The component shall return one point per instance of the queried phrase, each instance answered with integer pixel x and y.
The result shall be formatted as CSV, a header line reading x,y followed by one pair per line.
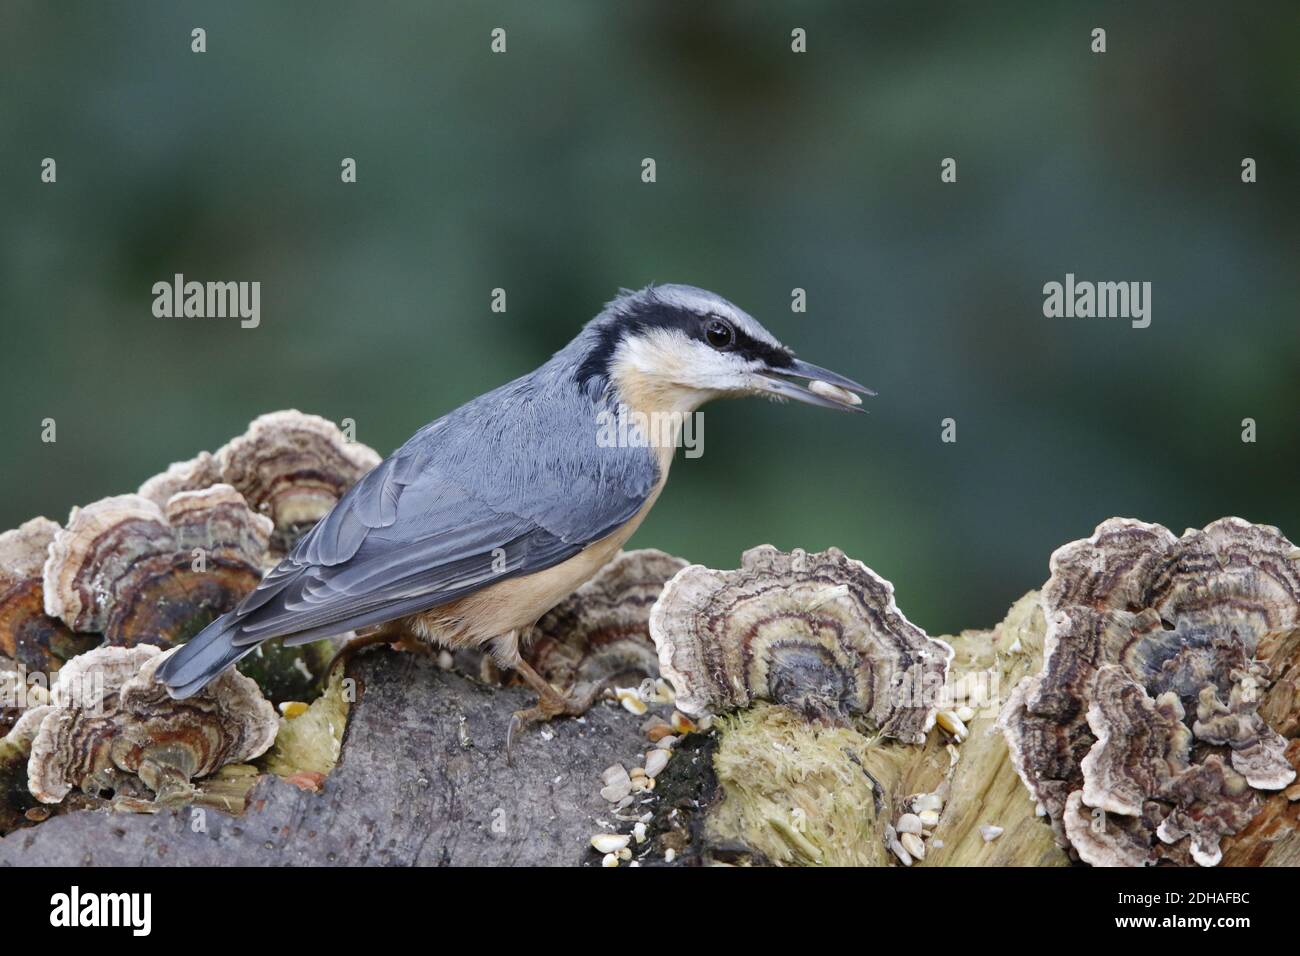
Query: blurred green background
x,y
775,170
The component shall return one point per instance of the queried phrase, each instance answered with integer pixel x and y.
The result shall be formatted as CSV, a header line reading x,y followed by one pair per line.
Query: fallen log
x,y
422,780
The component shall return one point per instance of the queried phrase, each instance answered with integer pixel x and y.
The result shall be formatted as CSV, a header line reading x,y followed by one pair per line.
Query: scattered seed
x,y
638,832
904,857
937,844
965,713
609,842
664,692
618,785
950,722
913,844
990,832
609,860
908,823
292,708
614,774
659,732
669,855
625,853
655,761
927,801
682,724
615,792
630,701
929,818
666,742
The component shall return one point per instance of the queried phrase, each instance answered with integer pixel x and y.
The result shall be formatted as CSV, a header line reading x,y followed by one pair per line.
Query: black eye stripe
x,y
753,348
654,314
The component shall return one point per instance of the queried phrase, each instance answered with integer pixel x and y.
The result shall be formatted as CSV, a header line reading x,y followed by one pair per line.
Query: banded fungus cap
x,y
293,468
110,717
72,746
601,633
136,572
194,475
28,636
289,466
1142,727
819,633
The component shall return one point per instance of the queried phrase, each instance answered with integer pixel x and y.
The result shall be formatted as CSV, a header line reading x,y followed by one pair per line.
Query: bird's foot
x,y
541,712
550,704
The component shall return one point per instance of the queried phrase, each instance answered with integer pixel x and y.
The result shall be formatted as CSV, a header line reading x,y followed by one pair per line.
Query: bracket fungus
x,y
196,474
293,467
601,632
133,571
819,633
1143,727
289,466
29,637
110,719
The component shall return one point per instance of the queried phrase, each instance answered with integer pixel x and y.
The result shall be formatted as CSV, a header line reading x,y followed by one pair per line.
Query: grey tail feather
x,y
198,662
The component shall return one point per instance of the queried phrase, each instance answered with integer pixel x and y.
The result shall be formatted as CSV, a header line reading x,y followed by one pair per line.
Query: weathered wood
x,y
422,780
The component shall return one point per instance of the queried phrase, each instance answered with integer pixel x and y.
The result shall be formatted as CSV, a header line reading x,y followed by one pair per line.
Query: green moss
x,y
311,742
800,793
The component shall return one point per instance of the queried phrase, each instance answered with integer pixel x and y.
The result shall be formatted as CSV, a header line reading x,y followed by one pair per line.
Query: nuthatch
x,y
491,515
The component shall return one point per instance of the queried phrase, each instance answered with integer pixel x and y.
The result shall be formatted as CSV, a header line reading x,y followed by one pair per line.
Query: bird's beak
x,y
776,382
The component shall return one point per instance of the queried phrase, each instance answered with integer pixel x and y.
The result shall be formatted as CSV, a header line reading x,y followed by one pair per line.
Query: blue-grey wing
x,y
454,510
512,483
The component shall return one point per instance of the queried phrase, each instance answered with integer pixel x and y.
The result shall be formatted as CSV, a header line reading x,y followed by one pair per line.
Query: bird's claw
x,y
547,708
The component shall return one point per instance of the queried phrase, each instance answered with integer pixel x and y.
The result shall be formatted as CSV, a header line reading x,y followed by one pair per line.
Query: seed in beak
x,y
833,392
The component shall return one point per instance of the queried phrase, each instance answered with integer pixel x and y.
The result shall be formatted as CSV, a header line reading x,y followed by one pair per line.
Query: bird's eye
x,y
719,333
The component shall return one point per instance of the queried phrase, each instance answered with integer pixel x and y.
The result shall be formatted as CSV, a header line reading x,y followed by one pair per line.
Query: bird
x,y
489,516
